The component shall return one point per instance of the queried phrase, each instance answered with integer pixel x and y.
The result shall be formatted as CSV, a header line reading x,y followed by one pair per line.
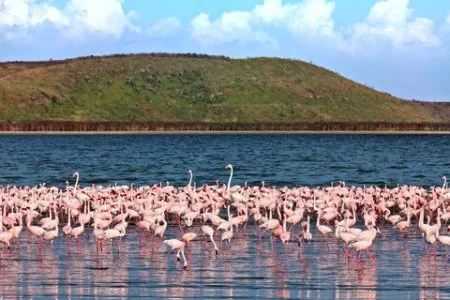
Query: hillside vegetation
x,y
195,89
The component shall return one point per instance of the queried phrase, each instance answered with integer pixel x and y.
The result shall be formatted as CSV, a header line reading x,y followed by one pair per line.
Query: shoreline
x,y
55,127
241,132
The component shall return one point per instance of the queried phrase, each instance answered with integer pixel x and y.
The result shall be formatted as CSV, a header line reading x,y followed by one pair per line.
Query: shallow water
x,y
144,269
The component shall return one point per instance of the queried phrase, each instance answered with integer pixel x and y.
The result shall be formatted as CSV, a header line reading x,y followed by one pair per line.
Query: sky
x,y
398,46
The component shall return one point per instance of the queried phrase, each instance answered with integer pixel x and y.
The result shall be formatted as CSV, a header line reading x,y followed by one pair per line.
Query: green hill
x,y
193,88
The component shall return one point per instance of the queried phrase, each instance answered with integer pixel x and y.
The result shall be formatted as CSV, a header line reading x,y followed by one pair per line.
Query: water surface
x,y
281,159
143,269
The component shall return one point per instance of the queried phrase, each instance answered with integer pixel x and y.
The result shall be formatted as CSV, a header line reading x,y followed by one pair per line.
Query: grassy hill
x,y
192,88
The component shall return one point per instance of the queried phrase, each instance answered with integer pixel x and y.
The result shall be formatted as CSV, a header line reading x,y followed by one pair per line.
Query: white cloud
x,y
310,17
230,27
164,27
77,19
28,13
391,20
100,16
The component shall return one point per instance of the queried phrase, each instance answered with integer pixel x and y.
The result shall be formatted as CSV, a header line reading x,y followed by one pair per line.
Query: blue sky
x,y
398,46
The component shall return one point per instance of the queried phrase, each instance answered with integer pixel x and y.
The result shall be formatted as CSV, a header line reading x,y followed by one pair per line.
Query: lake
x,y
249,268
280,159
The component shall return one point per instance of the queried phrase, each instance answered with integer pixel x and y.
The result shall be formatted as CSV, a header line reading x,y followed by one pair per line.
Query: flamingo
x,y
227,236
443,239
345,237
188,237
175,244
404,225
306,233
324,230
77,231
79,195
6,237
235,197
285,235
68,228
209,231
362,246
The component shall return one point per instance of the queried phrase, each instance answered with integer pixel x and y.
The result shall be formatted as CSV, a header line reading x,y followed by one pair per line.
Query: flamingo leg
x,y
371,256
421,246
168,254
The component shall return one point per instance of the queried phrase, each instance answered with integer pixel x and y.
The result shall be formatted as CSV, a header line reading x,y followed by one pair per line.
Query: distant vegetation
x,y
162,88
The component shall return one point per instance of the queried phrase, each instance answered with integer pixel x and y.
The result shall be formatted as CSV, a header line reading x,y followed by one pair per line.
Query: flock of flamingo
x,y
278,211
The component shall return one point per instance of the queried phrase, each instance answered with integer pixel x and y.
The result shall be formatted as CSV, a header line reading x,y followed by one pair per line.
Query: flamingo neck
x,y
76,184
438,226
190,179
214,243
229,179
184,257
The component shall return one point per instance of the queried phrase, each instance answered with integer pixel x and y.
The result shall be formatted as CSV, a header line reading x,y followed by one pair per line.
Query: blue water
x,y
280,160
143,269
